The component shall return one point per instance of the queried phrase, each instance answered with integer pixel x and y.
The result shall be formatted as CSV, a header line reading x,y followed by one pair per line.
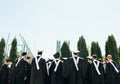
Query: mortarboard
x,y
89,57
94,56
76,51
57,55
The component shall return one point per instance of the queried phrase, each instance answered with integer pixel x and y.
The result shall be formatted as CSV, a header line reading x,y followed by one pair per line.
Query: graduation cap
x,y
76,52
94,56
89,57
100,60
57,55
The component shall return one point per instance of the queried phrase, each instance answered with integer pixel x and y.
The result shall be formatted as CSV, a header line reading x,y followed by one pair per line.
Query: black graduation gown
x,y
5,71
95,78
71,75
0,76
112,77
88,73
28,74
39,76
19,72
56,77
49,63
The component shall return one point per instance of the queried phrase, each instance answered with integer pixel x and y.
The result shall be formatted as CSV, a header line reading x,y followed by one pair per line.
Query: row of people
x,y
74,70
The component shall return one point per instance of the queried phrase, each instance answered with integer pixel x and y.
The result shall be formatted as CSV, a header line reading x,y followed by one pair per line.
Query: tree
x,y
95,49
65,51
111,48
13,50
81,46
2,50
119,54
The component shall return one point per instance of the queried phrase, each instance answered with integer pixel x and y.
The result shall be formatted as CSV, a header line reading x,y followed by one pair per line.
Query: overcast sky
x,y
42,22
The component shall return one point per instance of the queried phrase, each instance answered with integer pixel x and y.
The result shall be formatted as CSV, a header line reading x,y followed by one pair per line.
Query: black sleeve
x,y
3,70
51,69
102,70
44,70
66,69
0,76
26,69
84,71
108,74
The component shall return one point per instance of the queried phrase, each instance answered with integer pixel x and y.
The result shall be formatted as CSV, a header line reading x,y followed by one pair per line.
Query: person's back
x,y
96,72
96,78
19,73
5,72
112,71
38,70
56,70
29,70
75,70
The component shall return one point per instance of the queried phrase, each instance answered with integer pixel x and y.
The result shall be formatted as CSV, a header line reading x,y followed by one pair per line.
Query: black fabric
x,y
28,74
94,77
39,76
19,72
5,71
71,75
56,77
112,77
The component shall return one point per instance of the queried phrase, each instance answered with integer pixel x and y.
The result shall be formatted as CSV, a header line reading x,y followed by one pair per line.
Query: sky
x,y
42,22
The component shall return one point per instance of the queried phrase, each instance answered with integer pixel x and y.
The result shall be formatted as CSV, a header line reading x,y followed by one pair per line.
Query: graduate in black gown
x,y
49,63
89,60
112,71
5,72
20,68
75,70
96,71
29,70
56,70
39,70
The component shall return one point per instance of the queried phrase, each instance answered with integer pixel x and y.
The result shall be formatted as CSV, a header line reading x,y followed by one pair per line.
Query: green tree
x,y
2,50
95,49
13,50
119,54
111,48
65,50
81,46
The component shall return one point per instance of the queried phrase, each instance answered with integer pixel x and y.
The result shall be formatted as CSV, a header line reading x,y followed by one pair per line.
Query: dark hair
x,y
40,53
8,60
56,55
75,53
28,57
24,53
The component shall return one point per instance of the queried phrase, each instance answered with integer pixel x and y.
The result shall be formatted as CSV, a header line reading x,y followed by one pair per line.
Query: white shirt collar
x,y
40,55
94,60
75,55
